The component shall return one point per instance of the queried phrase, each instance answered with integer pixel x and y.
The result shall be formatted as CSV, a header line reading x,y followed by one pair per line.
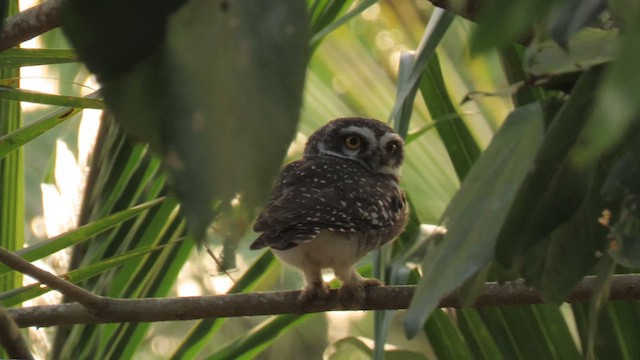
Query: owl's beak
x,y
374,162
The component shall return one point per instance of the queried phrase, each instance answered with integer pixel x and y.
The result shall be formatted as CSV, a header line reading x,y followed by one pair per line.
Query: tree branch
x,y
30,23
624,287
92,302
11,339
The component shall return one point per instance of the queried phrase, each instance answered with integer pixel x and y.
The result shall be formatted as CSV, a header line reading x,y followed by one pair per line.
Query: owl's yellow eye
x,y
353,142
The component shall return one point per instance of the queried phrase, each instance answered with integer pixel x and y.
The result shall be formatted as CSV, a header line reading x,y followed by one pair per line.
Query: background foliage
x,y
521,131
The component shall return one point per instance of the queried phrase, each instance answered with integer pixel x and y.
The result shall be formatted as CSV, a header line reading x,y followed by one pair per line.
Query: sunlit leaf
x,y
15,139
201,333
436,28
73,237
11,93
31,57
261,336
327,24
12,186
20,295
461,146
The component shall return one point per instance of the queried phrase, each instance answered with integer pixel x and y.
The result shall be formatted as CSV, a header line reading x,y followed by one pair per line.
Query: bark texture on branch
x,y
10,338
624,287
68,289
30,23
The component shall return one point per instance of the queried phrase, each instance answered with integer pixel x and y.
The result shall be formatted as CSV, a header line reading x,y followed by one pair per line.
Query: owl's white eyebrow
x,y
390,136
323,150
366,133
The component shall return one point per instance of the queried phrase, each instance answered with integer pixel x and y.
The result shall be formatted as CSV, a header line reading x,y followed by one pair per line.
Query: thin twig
x,y
92,302
30,23
220,267
11,339
624,287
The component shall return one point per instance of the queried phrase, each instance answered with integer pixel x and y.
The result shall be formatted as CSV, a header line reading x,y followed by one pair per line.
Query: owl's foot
x,y
353,294
317,291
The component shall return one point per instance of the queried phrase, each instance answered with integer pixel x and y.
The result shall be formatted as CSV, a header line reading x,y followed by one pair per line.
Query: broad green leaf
x,y
554,189
220,65
503,21
101,32
468,292
477,211
268,57
12,93
572,249
587,48
573,16
17,57
617,105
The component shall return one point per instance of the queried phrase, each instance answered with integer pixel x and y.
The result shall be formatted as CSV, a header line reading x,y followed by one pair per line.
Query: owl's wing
x,y
311,197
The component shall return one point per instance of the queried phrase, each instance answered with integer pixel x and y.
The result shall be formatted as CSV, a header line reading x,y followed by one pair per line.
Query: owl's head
x,y
369,142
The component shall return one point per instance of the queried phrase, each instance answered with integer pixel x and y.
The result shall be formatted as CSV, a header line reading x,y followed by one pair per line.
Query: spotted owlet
x,y
338,203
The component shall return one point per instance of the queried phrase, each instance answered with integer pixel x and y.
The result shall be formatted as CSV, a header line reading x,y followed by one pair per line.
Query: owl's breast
x,y
331,249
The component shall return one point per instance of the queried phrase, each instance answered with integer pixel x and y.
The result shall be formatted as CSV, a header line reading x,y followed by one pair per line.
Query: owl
x,y
341,201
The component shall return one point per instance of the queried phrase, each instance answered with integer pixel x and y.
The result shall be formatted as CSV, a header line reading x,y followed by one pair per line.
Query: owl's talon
x,y
314,292
353,295
372,282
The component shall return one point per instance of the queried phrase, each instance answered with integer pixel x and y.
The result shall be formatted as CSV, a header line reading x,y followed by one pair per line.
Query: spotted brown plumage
x,y
339,202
